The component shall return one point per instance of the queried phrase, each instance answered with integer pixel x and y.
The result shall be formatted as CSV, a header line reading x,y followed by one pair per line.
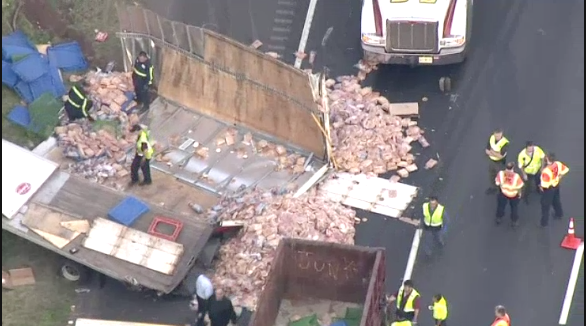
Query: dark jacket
x,y
221,312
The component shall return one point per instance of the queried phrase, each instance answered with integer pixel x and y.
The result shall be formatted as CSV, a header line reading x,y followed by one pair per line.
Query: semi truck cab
x,y
416,32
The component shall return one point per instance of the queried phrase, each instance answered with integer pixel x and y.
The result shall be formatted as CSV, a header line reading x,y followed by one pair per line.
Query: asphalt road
x,y
525,74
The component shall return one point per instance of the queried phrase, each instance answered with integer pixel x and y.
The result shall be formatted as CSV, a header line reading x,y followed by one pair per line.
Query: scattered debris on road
x,y
366,139
244,261
256,44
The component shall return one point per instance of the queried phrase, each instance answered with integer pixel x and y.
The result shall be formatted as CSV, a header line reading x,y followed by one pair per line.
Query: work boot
x,y
132,183
498,220
515,224
146,183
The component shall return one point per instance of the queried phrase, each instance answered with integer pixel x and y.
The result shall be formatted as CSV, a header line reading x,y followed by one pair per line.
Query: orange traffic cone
x,y
570,240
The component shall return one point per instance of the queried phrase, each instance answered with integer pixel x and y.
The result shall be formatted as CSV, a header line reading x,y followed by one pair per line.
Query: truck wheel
x,y
72,272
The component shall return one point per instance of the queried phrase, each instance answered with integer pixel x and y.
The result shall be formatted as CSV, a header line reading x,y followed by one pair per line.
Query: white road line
x,y
412,254
572,285
283,21
305,33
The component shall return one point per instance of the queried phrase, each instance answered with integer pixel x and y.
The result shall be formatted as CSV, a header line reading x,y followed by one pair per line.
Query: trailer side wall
x,y
327,271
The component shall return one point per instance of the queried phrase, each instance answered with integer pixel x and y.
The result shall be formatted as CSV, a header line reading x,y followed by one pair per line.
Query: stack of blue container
x,y
32,74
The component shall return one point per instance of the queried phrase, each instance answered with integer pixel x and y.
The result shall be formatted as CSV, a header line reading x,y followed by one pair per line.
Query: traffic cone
x,y
570,240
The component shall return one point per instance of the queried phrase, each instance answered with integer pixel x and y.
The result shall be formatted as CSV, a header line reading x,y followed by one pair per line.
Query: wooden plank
x,y
134,246
48,221
369,193
81,226
55,240
21,276
373,180
408,109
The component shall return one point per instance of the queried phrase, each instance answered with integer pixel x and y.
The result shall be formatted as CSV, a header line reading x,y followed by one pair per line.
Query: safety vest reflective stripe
x,y
139,73
497,146
440,309
510,186
552,174
531,164
409,303
149,72
435,219
83,104
144,138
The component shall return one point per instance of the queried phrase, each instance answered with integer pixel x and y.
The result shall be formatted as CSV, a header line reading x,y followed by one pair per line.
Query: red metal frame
x,y
169,221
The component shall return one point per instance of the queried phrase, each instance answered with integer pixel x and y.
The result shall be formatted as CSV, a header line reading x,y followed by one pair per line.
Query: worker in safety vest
x,y
496,150
440,310
510,184
502,318
530,161
143,75
143,156
407,302
434,223
78,105
549,184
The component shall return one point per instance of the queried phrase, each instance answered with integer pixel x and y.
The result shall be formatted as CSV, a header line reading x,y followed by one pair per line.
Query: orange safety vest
x,y
552,174
502,321
509,182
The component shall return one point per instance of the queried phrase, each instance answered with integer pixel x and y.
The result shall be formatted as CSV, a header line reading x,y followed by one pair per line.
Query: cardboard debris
x,y
81,226
274,55
430,164
300,55
256,44
18,277
244,261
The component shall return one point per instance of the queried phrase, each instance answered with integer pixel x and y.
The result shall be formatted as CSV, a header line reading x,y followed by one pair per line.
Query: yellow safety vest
x,y
510,185
143,137
435,219
83,105
409,307
531,164
497,146
552,174
402,323
440,309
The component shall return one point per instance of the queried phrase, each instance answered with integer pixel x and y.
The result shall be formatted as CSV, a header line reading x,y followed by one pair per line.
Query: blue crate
x,y
31,68
128,211
24,91
67,57
20,116
9,78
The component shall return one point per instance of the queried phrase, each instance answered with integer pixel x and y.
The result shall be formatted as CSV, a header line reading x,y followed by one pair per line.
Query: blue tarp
x,y
24,91
67,56
31,68
9,78
16,44
20,116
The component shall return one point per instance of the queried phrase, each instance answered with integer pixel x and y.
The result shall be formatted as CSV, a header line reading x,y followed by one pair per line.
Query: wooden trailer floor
x,y
80,199
326,310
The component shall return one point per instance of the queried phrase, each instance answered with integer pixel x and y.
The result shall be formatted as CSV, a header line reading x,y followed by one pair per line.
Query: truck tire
x,y
72,271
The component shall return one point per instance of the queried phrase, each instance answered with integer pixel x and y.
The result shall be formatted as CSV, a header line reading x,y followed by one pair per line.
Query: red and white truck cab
x,y
416,32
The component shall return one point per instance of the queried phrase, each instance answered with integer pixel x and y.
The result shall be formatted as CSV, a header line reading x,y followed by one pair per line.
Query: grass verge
x,y
47,302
